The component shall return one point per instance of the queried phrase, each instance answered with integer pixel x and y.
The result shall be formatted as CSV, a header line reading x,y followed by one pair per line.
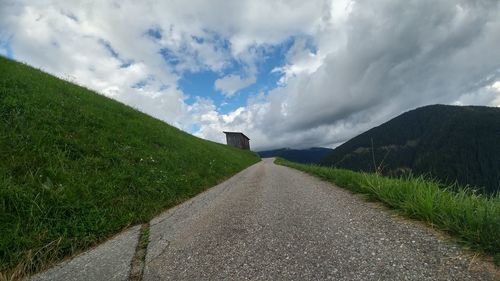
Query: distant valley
x,y
304,156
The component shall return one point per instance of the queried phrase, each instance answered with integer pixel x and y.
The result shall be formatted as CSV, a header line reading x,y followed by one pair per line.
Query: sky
x,y
285,73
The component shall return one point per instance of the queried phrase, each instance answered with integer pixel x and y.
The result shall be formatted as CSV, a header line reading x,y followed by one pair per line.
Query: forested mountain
x,y
306,156
449,143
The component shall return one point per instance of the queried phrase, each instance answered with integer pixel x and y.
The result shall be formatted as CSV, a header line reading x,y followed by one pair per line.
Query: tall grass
x,y
77,167
473,219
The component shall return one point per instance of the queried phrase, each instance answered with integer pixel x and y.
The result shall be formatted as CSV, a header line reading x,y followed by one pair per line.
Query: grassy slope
x,y
474,219
77,167
450,143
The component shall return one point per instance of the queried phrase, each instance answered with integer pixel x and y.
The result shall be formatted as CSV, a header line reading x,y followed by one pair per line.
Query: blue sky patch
x,y
141,84
6,49
108,47
155,33
169,57
199,84
195,128
202,84
124,63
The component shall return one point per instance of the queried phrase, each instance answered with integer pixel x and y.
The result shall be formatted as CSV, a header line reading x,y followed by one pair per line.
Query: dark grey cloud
x,y
398,55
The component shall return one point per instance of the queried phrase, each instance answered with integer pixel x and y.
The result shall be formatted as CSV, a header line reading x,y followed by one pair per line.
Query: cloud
x,y
487,95
388,59
300,60
351,65
79,45
230,84
112,47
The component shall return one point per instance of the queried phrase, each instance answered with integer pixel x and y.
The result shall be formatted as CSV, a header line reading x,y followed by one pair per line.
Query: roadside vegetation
x,y
77,167
451,143
473,219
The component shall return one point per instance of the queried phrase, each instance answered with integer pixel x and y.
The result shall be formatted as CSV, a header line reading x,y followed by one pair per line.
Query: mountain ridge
x,y
311,155
448,143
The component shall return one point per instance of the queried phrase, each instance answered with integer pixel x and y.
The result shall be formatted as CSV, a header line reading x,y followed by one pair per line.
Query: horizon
x,y
286,74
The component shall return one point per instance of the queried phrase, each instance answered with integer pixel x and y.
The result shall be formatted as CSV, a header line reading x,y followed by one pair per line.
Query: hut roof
x,y
236,133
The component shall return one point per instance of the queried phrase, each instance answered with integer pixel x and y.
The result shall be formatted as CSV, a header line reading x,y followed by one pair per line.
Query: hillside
x,y
449,143
77,167
305,156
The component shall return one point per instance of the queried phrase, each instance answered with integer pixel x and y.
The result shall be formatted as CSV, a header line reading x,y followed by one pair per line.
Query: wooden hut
x,y
237,139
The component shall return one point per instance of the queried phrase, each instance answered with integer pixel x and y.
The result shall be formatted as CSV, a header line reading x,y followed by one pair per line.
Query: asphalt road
x,y
274,223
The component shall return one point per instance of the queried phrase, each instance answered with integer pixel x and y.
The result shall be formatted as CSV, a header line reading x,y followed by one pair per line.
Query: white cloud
x,y
96,40
487,95
300,60
353,64
495,86
230,84
388,59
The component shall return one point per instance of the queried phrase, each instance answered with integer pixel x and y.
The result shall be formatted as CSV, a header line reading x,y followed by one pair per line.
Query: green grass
x,y
145,236
473,219
77,167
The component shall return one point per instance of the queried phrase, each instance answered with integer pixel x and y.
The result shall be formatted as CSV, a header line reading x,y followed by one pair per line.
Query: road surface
x,y
274,223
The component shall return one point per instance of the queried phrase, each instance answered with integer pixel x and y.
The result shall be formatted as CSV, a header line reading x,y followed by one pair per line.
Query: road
x,y
274,223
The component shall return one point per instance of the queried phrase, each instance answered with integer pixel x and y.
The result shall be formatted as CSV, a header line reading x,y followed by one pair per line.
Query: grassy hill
x,y
305,156
448,143
77,167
